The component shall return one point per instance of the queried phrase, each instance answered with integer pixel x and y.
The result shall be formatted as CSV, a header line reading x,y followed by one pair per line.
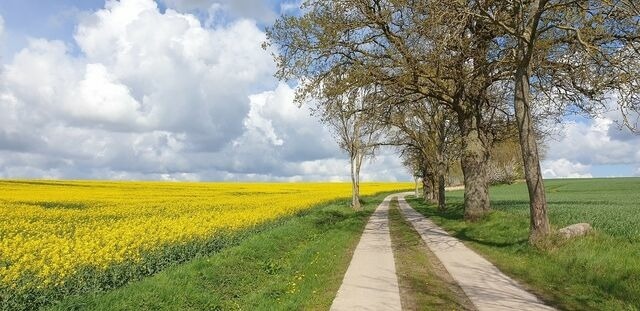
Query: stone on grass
x,y
575,230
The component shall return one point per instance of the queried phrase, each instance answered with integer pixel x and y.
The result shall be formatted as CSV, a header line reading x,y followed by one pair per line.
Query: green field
x,y
424,282
299,260
65,238
297,264
597,272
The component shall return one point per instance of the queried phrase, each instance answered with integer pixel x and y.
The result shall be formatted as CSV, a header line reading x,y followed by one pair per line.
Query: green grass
x,y
297,264
598,272
424,282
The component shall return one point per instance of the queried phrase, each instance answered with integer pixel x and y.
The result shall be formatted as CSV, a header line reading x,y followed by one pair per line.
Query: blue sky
x,y
46,19
132,90
58,19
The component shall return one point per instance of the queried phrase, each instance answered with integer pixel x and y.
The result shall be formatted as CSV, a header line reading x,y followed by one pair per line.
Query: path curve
x,y
371,282
487,287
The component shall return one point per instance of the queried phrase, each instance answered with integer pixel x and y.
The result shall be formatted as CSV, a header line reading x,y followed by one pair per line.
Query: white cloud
x,y
146,70
563,168
100,97
165,96
146,87
153,95
386,165
257,10
597,142
289,6
257,123
187,5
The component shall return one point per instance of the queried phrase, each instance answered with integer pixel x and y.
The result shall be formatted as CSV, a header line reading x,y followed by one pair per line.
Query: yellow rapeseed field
x,y
50,230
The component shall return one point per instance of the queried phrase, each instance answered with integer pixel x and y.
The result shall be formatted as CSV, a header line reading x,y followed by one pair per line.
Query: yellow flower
x,y
51,229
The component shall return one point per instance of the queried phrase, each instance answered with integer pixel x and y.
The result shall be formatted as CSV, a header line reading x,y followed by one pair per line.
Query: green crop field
x,y
597,272
610,205
62,238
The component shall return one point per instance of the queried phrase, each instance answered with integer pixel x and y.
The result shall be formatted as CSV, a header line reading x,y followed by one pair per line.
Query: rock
x,y
575,230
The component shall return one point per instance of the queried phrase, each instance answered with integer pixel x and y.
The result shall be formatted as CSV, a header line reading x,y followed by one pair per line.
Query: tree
x,y
429,140
571,53
414,162
413,50
506,162
344,109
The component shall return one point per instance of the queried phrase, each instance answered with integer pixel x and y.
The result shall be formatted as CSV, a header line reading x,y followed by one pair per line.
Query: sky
x,y
182,90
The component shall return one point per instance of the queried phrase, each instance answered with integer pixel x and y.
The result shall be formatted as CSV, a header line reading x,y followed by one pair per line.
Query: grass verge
x,y
598,272
298,264
424,283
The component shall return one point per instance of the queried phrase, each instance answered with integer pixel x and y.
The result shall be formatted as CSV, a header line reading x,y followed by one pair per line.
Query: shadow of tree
x,y
464,235
455,212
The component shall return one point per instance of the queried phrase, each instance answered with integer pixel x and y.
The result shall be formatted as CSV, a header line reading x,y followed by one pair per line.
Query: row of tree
x,y
448,80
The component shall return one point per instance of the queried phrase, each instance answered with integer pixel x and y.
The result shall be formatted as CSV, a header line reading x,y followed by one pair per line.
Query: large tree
x,y
414,160
429,142
346,110
571,54
413,49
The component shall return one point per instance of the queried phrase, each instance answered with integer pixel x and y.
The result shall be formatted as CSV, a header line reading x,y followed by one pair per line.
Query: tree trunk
x,y
539,221
435,194
417,192
473,161
442,205
442,165
426,187
356,195
355,182
441,172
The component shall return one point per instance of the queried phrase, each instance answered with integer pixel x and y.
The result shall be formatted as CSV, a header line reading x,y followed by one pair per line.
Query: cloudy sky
x,y
181,90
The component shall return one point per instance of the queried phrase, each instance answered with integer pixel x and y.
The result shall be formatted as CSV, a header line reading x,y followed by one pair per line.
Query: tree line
x,y
451,81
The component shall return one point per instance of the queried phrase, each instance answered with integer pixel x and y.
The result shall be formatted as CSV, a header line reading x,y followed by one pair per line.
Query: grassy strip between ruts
x,y
298,264
424,283
596,272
